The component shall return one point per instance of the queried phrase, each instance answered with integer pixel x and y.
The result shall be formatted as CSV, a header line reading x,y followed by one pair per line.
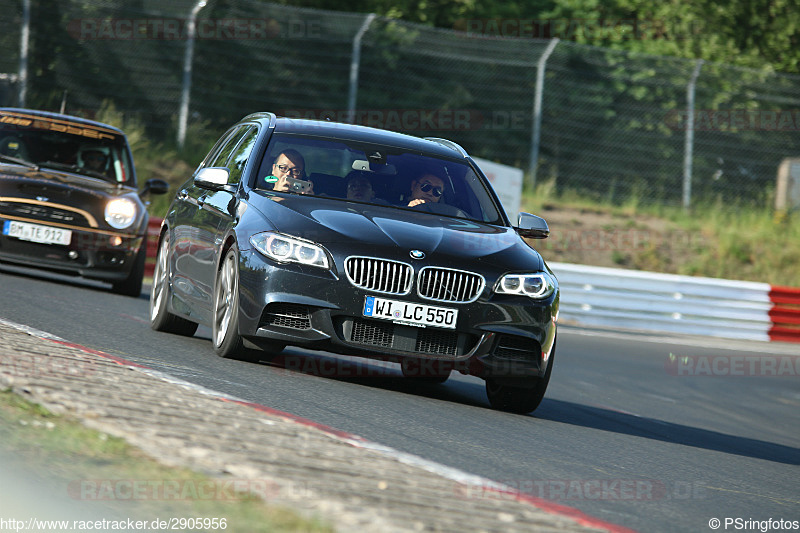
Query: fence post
x,y
23,52
355,64
191,30
537,109
689,145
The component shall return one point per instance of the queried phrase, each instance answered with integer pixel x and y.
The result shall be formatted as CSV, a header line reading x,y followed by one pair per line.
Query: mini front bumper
x,y
105,256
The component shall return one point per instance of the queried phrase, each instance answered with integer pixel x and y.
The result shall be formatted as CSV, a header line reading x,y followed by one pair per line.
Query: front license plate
x,y
36,232
413,314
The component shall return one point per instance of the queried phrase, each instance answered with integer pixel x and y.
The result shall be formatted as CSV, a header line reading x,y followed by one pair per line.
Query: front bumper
x,y
100,255
496,335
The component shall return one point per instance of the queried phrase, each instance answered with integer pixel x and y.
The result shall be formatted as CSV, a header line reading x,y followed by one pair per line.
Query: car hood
x,y
29,183
328,221
57,188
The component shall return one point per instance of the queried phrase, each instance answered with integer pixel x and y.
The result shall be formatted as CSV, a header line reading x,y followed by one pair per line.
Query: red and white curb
x,y
785,314
452,474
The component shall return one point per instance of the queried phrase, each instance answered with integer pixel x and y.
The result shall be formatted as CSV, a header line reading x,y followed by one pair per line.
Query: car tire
x,y
132,285
225,318
160,318
416,370
519,400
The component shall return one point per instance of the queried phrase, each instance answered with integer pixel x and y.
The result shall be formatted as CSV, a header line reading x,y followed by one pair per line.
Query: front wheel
x,y
518,399
225,327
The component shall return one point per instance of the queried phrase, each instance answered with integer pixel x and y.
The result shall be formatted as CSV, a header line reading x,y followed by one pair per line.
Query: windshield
x,y
377,175
60,144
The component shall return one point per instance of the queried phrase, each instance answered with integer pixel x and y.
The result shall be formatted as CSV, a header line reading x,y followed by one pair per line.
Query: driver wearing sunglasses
x,y
426,189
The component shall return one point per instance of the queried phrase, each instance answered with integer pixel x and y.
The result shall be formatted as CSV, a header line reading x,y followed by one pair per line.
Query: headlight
x,y
287,249
539,285
120,213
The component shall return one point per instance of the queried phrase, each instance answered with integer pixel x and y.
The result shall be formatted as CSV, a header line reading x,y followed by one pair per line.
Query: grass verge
x,y
710,240
115,479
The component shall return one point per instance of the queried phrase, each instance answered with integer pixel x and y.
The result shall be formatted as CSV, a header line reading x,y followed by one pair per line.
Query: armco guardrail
x,y
647,301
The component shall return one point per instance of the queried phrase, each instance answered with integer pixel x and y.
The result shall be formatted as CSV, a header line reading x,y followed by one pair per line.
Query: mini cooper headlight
x,y
120,213
539,285
286,249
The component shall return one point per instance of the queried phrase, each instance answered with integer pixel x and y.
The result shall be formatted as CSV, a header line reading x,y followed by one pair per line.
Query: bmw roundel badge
x,y
417,254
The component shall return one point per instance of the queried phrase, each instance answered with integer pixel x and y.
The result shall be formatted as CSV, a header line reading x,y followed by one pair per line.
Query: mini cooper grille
x,y
514,348
437,342
380,275
41,212
287,315
446,285
372,333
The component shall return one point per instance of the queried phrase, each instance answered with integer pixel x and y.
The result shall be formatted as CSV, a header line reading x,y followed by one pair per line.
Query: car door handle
x,y
183,195
201,201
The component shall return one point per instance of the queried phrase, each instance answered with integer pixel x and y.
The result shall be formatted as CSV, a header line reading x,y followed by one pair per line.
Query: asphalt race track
x,y
623,434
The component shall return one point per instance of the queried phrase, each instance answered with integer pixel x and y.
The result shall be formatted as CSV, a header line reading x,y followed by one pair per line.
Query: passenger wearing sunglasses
x,y
426,189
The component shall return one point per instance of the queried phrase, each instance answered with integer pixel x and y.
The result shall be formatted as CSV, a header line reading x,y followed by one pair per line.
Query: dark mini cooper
x,y
68,198
363,242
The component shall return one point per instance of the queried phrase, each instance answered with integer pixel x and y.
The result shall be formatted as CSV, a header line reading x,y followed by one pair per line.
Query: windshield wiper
x,y
74,168
56,164
19,161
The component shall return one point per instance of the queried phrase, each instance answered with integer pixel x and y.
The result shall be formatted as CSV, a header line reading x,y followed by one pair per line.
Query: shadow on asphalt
x,y
60,278
387,376
650,428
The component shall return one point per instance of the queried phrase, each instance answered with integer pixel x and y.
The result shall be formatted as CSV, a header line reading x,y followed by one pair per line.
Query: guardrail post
x,y
23,52
191,30
355,65
537,109
689,145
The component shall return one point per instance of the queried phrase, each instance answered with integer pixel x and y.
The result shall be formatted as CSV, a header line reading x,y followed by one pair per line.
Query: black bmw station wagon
x,y
363,242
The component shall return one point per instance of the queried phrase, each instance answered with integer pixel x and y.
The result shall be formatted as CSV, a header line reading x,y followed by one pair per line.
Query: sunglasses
x,y
296,172
427,187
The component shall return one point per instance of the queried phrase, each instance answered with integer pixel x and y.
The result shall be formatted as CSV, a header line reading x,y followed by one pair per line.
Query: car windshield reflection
x,y
74,147
375,175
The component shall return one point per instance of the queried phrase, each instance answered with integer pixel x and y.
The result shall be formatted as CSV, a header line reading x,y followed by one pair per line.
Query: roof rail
x,y
449,144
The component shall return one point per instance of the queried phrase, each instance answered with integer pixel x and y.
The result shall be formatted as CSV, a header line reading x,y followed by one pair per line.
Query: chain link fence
x,y
616,126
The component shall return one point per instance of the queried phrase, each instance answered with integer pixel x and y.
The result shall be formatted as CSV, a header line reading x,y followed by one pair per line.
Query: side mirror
x,y
532,227
213,178
155,186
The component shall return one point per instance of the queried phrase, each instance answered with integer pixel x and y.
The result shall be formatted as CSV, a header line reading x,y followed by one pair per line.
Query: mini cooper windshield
x,y
377,175
58,144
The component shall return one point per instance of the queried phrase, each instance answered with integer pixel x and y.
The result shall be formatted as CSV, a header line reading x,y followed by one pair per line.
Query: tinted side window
x,y
242,152
212,154
224,153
